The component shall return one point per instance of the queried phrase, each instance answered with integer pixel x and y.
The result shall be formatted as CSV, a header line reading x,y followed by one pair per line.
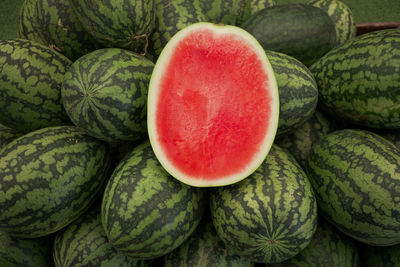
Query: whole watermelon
x,y
146,213
356,178
30,85
271,215
105,93
48,178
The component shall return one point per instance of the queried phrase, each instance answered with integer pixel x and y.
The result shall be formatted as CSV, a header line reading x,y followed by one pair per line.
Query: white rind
x,y
153,93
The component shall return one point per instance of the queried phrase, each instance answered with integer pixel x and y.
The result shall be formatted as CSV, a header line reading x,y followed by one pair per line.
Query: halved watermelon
x,y
213,105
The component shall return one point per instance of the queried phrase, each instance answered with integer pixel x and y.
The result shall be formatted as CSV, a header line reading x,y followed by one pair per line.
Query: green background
x,y
363,11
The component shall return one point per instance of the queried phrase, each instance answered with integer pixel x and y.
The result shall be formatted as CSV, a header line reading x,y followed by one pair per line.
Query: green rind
x,y
328,247
170,17
124,24
105,93
257,5
372,256
298,30
30,83
271,215
356,177
300,141
342,17
233,12
84,243
53,23
298,92
7,135
48,178
146,213
17,252
204,248
358,81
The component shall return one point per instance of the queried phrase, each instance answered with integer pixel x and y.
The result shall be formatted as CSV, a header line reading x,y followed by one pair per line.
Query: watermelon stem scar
x,y
213,105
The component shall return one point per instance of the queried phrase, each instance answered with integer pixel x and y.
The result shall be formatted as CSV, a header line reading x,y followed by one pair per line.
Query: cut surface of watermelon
x,y
212,105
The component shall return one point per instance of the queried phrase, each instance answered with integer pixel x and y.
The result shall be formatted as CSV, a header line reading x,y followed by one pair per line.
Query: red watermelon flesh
x,y
213,105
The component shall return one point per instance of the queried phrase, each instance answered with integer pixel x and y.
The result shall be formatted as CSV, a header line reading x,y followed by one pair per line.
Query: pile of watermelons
x,y
80,184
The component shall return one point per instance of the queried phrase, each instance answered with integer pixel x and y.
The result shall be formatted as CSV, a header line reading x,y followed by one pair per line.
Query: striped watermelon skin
x,y
84,243
271,215
170,17
16,252
146,213
300,141
30,83
7,135
356,177
48,178
372,256
257,5
302,31
298,92
233,12
105,93
342,17
53,23
328,247
124,24
204,248
358,81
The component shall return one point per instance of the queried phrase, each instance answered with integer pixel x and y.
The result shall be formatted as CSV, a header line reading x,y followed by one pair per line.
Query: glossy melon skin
x,y
212,116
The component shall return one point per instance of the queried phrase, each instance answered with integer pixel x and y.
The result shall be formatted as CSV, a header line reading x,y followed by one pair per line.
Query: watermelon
x,y
30,85
124,24
233,12
145,212
342,17
53,23
300,141
7,135
302,31
204,248
105,93
298,92
372,256
84,243
257,5
16,252
356,178
270,216
48,178
328,247
213,105
358,81
170,17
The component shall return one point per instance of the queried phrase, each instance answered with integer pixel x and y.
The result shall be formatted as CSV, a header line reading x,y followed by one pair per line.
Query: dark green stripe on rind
x,y
84,243
356,177
298,30
204,248
53,23
271,215
30,85
328,247
118,23
359,81
48,178
146,213
298,92
257,5
17,252
300,141
7,135
105,93
170,17
232,12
